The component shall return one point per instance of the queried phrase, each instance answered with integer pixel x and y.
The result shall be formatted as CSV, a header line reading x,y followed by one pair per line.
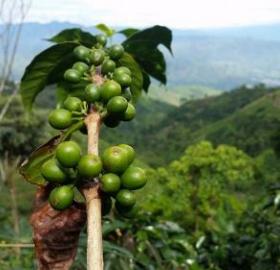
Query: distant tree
x,y
254,244
202,186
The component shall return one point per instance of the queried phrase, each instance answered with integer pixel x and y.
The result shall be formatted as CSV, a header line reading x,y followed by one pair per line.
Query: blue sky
x,y
174,13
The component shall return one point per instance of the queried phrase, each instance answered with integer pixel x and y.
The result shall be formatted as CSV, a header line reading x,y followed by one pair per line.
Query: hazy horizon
x,y
188,14
276,23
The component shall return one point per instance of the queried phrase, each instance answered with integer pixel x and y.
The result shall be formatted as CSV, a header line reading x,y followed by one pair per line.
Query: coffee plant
x,y
97,83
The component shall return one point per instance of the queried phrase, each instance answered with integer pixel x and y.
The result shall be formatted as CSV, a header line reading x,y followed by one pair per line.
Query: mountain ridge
x,y
220,59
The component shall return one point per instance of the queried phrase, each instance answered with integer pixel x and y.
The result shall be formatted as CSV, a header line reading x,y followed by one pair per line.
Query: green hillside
x,y
245,117
251,128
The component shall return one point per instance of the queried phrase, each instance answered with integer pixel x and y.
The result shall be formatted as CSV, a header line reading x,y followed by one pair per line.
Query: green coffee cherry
x,y
117,104
81,67
129,151
134,178
123,79
116,51
82,53
101,39
72,104
61,197
97,56
126,198
115,159
72,75
110,89
110,183
90,166
92,93
122,70
52,172
68,154
60,118
130,113
108,66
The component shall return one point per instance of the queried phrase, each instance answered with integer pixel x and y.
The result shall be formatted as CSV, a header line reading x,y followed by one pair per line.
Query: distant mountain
x,y
269,32
217,58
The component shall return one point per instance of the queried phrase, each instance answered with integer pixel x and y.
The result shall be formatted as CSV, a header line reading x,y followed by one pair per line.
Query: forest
x,y
212,197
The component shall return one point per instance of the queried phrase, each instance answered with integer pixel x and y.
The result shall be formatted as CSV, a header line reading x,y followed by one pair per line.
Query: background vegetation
x,y
210,146
212,197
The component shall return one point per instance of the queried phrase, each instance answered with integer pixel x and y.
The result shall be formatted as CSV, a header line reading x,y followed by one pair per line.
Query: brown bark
x,y
56,233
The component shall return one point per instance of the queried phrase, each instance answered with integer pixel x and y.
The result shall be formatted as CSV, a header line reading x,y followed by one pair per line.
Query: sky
x,y
182,14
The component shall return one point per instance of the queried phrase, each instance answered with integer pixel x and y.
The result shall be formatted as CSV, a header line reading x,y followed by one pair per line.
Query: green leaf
x,y
151,60
143,46
129,32
57,73
39,72
61,94
74,35
105,29
146,81
137,76
30,168
155,36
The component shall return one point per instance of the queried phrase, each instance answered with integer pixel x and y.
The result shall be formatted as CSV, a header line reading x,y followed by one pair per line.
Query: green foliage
x,y
268,166
9,258
206,182
75,35
207,212
44,69
143,45
142,244
253,245
19,135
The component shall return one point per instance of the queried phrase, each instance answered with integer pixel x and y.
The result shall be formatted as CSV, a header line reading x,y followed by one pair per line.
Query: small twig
x,y
8,103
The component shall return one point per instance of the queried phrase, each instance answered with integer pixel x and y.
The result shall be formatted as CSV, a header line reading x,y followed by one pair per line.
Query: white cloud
x,y
174,13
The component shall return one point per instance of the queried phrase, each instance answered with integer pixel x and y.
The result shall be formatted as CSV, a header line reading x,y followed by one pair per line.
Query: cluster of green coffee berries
x,y
69,168
112,97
